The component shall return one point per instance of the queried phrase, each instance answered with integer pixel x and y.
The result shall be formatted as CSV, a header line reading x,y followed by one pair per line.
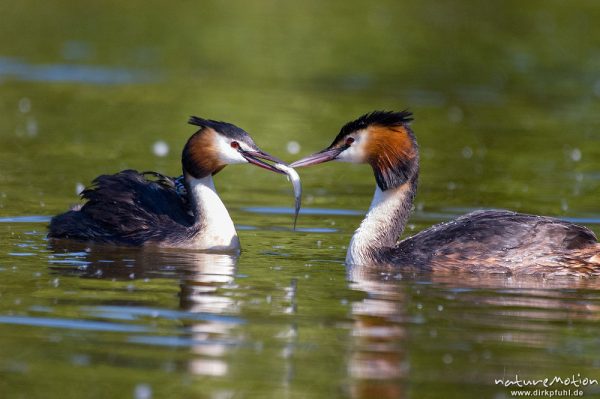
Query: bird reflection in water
x,y
378,364
208,316
388,323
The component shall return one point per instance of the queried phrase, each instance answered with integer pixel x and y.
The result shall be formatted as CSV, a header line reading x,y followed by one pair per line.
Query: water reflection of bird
x,y
128,208
491,240
202,319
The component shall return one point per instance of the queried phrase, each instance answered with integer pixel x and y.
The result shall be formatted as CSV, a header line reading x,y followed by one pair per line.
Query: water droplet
x,y
160,148
142,391
467,152
455,114
80,360
293,147
440,308
576,155
79,187
31,127
24,105
447,359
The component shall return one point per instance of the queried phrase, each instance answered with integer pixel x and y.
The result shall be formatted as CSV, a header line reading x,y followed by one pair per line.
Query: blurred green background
x,y
506,97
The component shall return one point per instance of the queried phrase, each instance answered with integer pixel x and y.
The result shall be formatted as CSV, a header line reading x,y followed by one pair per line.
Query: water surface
x,y
505,96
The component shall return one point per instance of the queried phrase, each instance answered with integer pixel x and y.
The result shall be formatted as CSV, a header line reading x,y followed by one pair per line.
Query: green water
x,y
506,97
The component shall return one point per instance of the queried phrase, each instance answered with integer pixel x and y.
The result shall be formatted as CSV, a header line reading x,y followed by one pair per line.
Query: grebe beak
x,y
254,157
328,154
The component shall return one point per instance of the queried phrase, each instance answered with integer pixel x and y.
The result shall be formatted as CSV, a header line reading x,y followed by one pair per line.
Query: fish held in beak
x,y
295,179
255,158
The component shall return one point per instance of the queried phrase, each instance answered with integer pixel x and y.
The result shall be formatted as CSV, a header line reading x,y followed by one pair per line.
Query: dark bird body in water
x,y
134,209
491,240
129,208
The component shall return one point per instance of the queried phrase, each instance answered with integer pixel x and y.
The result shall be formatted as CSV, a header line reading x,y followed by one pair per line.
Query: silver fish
x,y
295,179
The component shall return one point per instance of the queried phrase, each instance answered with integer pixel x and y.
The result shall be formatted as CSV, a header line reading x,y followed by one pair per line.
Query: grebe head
x,y
383,140
218,144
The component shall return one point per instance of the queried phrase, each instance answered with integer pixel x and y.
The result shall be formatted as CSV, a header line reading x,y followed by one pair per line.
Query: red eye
x,y
349,141
235,145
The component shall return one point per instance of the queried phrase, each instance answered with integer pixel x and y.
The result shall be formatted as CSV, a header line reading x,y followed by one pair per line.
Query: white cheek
x,y
355,154
228,154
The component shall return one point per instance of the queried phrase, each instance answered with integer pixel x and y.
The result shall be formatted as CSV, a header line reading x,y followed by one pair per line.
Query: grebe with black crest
x,y
488,240
129,208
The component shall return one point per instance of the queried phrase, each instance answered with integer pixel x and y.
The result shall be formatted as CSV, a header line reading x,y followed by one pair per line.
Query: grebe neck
x,y
215,229
383,224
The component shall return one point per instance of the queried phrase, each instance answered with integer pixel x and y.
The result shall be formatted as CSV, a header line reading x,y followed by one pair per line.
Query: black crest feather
x,y
381,118
226,129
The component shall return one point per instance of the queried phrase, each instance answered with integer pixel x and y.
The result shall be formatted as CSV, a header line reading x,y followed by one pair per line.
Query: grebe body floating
x,y
135,209
490,240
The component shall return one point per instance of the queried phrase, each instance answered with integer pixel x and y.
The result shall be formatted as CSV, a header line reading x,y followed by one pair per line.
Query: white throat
x,y
216,231
383,224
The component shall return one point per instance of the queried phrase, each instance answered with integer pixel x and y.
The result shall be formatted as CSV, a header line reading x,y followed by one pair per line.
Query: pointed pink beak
x,y
328,154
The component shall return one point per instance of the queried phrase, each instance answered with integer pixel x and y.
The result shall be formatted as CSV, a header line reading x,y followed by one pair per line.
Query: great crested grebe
x,y
129,209
492,240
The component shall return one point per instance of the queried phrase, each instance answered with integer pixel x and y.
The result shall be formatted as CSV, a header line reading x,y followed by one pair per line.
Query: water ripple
x,y
13,68
136,312
72,324
179,341
26,219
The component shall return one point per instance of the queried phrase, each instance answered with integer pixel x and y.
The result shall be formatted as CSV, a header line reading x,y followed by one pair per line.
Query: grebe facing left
x,y
128,209
491,240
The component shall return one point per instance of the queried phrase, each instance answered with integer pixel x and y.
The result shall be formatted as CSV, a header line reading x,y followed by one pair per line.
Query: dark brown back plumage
x,y
502,242
126,208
